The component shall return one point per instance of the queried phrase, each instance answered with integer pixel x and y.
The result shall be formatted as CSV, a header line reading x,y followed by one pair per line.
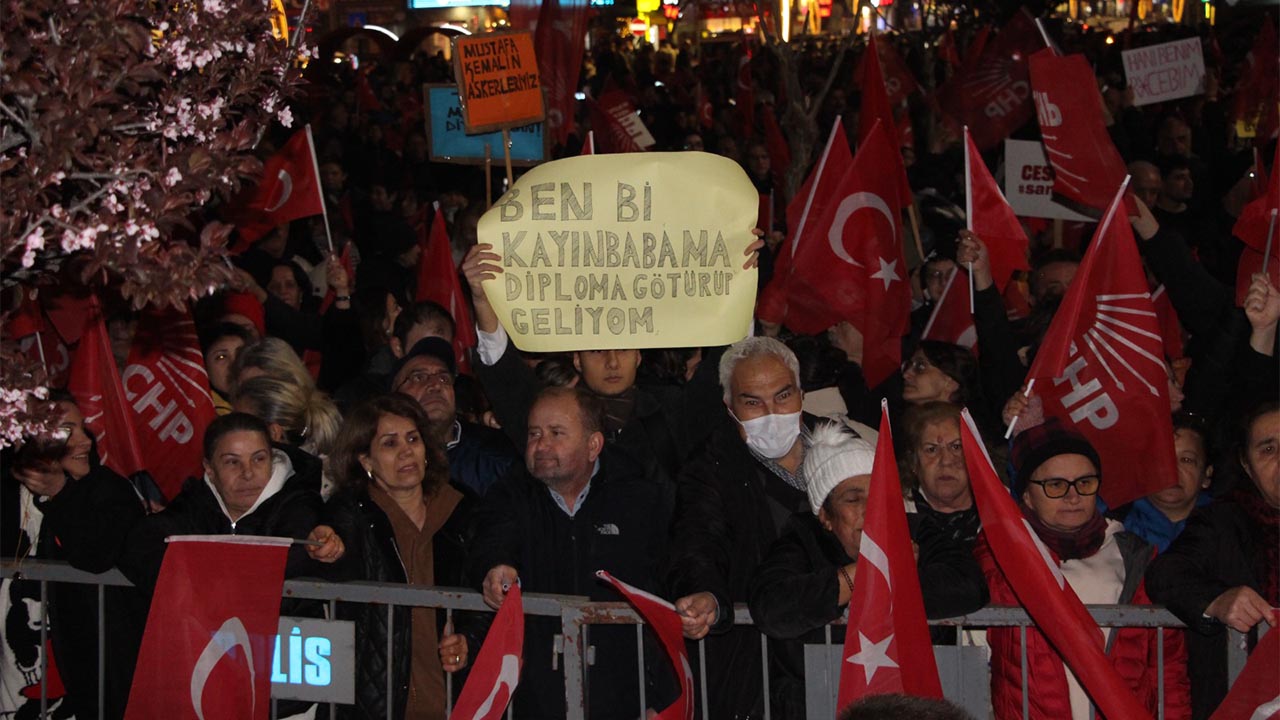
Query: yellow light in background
x,y
653,35
647,6
1111,40
785,13
279,22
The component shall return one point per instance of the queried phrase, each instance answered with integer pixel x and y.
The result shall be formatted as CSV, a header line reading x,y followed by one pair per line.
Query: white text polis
x,y
694,263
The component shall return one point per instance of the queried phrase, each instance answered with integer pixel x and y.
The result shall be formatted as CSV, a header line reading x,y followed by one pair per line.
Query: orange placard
x,y
498,83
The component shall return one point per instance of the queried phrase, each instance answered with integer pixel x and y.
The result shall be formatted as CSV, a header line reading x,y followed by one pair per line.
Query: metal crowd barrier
x,y
576,615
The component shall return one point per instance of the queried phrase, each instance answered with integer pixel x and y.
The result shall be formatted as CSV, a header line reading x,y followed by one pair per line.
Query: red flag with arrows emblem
x,y
438,282
991,92
168,392
207,649
1085,163
496,672
855,268
95,383
1103,366
877,109
991,219
558,41
887,629
1040,585
661,616
289,189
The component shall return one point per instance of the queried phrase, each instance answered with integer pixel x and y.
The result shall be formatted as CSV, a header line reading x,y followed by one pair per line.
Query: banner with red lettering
x,y
661,616
1101,366
95,383
496,672
206,653
167,389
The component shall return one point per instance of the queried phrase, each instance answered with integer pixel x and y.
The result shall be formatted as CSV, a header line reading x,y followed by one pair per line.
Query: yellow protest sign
x,y
636,250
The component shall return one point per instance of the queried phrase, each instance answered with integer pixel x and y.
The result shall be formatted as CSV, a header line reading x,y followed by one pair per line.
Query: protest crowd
x,y
1090,396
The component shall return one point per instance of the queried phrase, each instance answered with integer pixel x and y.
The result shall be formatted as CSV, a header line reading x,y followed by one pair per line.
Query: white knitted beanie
x,y
834,456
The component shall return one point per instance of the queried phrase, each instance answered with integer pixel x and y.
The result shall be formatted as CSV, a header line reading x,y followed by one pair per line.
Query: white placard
x,y
1167,71
1028,183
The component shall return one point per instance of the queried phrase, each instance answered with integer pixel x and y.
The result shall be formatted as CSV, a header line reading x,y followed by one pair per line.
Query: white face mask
x,y
772,435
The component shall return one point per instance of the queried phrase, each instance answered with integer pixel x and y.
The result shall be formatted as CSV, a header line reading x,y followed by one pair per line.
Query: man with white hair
x,y
734,497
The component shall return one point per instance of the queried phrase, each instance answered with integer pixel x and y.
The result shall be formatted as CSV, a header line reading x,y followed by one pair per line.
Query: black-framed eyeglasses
x,y
1055,488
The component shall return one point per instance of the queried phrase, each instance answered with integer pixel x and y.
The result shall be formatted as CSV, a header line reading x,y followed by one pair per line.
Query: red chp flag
x,y
558,42
95,383
952,321
615,116
167,389
438,282
1085,163
1040,585
661,616
206,653
1256,692
1103,364
496,672
37,338
777,301
899,83
1257,220
991,219
876,109
855,269
1257,97
991,92
887,629
745,92
289,189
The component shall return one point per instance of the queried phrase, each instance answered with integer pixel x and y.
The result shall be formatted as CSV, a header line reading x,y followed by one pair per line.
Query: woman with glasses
x,y
1057,482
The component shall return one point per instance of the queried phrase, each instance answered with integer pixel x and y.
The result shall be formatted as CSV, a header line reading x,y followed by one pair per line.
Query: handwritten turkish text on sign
x,y
624,251
449,141
1028,183
498,81
1167,71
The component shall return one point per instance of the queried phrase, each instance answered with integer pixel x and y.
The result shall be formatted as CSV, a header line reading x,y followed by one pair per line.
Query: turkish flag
x,y
289,189
366,100
589,147
95,383
952,319
855,271
661,616
887,629
1251,263
438,282
1103,360
558,41
876,108
776,143
706,113
809,202
991,219
991,92
167,389
1256,692
206,653
496,672
1257,220
1086,166
1040,585
29,326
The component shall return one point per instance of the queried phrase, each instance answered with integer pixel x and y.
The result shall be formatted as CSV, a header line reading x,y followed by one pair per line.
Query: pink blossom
x,y
285,116
173,177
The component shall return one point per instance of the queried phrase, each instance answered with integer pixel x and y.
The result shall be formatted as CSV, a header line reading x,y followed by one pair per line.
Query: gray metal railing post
x,y
1237,654
764,670
1160,670
44,650
391,621
102,652
702,677
572,621
1026,700
640,659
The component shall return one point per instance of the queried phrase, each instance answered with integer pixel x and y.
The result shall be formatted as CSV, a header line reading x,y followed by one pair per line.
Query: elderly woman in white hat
x,y
806,581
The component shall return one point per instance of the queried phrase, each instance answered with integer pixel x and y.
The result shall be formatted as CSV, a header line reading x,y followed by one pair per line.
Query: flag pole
x,y
506,155
45,364
968,206
488,176
324,209
1271,233
1008,433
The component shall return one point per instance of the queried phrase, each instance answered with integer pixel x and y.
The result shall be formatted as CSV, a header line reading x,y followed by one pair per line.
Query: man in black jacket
x,y
734,498
550,527
478,456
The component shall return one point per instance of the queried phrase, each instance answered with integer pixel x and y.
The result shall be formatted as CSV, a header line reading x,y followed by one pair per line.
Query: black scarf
x,y
1267,520
1079,543
618,410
